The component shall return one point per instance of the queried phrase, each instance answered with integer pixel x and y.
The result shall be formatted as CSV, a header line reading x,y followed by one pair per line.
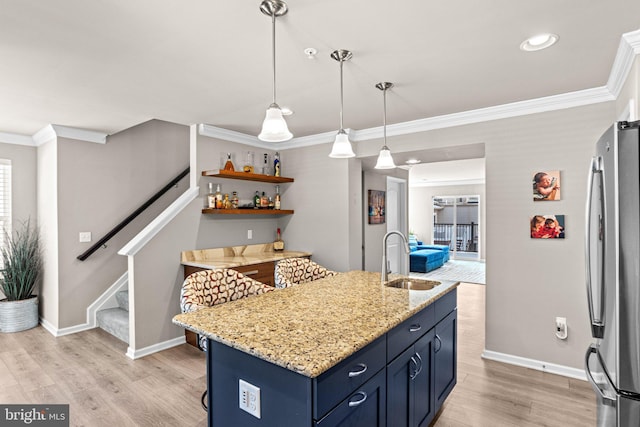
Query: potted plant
x,y
21,259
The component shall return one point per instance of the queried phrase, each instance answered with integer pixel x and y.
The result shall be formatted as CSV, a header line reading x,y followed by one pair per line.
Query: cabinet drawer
x,y
445,305
262,272
340,381
366,407
407,332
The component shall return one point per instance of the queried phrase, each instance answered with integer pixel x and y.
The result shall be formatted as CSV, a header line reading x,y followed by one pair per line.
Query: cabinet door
x,y
410,400
423,381
363,408
400,388
445,357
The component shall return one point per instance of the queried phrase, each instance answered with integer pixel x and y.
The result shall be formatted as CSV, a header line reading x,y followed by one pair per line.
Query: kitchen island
x,y
343,350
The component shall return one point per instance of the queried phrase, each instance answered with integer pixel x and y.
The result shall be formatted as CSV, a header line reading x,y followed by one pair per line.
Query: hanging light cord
x,y
273,42
341,97
384,118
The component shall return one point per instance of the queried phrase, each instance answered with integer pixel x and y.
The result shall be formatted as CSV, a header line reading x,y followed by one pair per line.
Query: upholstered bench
x,y
425,260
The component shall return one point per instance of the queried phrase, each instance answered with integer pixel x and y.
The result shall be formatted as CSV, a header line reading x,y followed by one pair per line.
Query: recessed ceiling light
x,y
286,111
539,42
412,161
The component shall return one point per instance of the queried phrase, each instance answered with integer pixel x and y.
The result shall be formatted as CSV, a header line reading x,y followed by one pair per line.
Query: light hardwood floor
x,y
90,372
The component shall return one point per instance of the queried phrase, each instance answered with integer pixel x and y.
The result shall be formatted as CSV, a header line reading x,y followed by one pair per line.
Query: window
x,y
5,199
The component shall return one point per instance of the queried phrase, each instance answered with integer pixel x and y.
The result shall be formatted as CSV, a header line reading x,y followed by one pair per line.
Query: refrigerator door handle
x,y
597,324
605,399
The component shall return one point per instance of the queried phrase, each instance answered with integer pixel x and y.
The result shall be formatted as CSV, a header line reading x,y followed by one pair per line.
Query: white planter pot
x,y
16,316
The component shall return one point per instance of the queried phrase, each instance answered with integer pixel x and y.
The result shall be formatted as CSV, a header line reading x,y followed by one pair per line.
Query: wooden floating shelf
x,y
247,211
246,176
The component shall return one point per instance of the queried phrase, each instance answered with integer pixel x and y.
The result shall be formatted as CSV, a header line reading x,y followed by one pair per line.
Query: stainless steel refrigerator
x,y
613,275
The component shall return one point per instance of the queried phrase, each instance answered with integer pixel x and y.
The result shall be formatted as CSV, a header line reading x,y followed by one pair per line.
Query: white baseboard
x,y
538,365
65,331
137,354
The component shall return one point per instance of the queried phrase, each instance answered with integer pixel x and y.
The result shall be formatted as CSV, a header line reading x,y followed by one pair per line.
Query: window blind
x,y
5,200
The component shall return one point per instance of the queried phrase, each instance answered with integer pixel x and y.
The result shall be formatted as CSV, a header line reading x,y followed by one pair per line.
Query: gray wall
x,y
98,185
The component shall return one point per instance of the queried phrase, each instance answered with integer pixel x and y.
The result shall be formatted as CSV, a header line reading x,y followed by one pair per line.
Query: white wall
x,y
421,209
23,183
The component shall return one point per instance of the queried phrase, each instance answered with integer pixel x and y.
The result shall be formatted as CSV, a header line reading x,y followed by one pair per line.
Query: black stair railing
x,y
131,217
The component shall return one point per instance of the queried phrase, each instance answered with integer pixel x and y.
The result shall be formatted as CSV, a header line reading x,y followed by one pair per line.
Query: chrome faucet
x,y
385,272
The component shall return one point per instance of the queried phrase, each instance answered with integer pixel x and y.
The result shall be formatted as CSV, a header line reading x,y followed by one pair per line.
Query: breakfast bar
x,y
341,348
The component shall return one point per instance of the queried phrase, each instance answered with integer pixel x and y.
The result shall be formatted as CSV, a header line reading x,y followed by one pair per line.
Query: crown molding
x,y
514,109
80,134
44,135
232,136
17,139
627,50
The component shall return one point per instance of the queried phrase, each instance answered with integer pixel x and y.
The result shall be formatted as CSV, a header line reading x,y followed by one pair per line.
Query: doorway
x,y
398,261
456,224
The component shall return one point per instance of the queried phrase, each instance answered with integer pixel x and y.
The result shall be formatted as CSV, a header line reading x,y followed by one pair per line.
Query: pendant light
x,y
385,161
341,146
274,127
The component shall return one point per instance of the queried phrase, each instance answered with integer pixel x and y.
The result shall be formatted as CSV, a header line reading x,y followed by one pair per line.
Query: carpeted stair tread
x,y
115,321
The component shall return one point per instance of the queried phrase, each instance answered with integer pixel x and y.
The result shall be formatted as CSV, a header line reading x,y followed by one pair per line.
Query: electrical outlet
x,y
561,328
249,234
84,236
249,398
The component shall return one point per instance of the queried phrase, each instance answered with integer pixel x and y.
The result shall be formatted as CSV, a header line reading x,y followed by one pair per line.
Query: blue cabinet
x,y
445,357
399,380
410,385
423,374
366,407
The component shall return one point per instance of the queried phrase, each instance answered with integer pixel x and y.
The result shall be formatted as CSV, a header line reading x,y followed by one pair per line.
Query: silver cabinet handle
x,y
439,344
249,273
363,369
420,367
415,327
414,374
360,401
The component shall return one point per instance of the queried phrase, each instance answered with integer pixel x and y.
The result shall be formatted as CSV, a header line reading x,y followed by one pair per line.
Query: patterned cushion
x,y
207,288
294,271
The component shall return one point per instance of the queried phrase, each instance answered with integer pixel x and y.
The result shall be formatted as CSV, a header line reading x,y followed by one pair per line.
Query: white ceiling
x,y
109,65
454,172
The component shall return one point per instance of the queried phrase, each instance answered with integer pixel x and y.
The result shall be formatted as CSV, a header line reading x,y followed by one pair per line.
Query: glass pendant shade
x,y
385,161
342,147
274,127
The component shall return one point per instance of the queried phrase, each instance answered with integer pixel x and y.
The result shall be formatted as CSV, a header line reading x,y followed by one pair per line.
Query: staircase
x,y
116,320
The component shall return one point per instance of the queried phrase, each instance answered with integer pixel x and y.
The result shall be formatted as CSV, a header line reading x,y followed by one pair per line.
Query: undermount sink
x,y
413,284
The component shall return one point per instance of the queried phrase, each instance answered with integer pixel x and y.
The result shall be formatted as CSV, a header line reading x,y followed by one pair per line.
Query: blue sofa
x,y
425,258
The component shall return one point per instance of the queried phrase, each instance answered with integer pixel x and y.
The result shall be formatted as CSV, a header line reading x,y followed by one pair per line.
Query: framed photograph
x,y
377,207
547,227
546,186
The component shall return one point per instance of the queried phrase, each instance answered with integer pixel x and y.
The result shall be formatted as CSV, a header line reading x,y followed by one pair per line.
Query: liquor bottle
x,y
278,245
276,164
219,200
234,200
211,197
226,202
228,166
277,198
264,202
256,201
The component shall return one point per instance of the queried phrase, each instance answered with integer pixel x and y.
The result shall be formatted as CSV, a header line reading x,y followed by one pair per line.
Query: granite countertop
x,y
235,256
311,327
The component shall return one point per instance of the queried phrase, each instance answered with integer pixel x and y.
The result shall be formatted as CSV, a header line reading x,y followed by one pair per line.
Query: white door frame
x,y
397,220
